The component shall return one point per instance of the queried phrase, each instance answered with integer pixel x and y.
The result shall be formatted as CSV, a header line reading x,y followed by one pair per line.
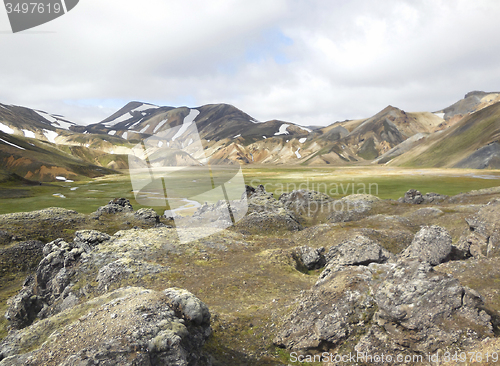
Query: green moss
x,y
10,284
368,150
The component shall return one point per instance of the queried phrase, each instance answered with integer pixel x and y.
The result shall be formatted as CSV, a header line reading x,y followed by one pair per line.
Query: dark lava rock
x,y
309,258
88,239
249,190
404,307
415,197
421,311
482,238
330,313
412,196
431,244
147,215
434,198
114,206
271,221
359,250
266,214
111,275
259,213
187,306
47,292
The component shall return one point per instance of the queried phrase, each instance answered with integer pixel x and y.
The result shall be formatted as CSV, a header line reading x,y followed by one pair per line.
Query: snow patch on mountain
x,y
302,140
144,129
11,144
187,122
183,129
47,116
298,154
135,124
125,134
304,128
112,132
28,133
65,125
193,113
234,137
6,129
282,130
55,120
160,125
145,107
50,135
117,120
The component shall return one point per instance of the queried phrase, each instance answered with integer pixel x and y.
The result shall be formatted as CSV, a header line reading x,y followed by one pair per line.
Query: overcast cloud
x,y
309,62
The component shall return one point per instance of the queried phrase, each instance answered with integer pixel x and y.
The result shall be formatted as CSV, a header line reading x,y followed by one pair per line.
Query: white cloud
x,y
299,61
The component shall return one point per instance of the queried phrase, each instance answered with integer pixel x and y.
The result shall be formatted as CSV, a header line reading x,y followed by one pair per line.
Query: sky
x,y
308,62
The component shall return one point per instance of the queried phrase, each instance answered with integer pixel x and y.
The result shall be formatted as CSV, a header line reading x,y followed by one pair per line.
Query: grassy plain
x,y
384,182
253,283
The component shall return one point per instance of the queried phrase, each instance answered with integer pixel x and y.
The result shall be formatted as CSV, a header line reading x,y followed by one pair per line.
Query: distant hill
x,y
214,122
32,123
472,102
41,161
470,143
37,145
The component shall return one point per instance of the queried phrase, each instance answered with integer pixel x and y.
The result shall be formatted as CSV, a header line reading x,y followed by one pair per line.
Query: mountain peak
x,y
476,93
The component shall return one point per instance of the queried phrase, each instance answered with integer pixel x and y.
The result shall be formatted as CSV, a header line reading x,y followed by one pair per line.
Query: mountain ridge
x,y
388,137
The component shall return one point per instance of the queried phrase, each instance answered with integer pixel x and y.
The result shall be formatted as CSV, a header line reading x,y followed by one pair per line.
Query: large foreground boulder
x,y
47,291
420,311
130,326
42,289
404,307
330,313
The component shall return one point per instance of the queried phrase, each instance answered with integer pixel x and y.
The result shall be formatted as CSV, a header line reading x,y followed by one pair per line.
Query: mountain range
x,y
40,146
